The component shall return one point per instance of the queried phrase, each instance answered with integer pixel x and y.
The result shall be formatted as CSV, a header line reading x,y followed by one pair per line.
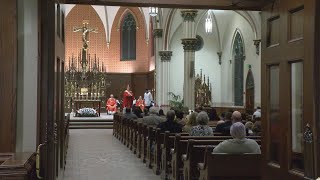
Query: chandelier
x,y
153,11
208,24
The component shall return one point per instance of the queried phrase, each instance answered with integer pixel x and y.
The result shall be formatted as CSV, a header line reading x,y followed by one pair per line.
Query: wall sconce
x,y
220,55
257,44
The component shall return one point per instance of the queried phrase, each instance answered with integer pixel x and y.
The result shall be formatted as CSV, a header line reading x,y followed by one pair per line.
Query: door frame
x,y
317,87
47,9
304,50
47,93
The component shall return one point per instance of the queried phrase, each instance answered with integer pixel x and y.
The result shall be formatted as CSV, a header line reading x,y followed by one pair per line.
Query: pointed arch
x,y
238,54
250,92
124,13
167,28
216,26
128,37
237,31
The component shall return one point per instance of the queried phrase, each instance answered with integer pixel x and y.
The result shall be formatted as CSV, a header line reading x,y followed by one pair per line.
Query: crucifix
x,y
85,39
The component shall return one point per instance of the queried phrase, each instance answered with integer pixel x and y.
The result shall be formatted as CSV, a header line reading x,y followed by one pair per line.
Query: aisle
x,y
94,154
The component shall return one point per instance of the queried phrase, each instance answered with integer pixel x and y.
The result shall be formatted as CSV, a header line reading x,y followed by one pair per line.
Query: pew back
x,y
230,167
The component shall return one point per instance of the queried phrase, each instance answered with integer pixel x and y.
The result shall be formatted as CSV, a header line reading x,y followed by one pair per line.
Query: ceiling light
x,y
209,21
153,11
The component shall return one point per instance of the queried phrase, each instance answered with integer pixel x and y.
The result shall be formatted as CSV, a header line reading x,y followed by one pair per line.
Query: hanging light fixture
x,y
153,11
208,23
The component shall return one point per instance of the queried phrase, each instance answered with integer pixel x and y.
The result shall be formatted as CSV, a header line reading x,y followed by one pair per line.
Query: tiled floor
x,y
97,155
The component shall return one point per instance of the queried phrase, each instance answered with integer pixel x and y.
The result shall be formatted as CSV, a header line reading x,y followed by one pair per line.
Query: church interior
x,y
166,89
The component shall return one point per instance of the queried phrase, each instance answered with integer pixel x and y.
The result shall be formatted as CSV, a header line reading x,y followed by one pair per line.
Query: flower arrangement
x,y
87,112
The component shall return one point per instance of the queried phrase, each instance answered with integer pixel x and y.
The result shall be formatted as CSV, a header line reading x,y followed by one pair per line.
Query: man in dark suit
x,y
128,114
170,125
224,128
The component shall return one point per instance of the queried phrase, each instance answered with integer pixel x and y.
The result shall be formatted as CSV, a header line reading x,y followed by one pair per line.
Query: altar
x,y
88,103
85,77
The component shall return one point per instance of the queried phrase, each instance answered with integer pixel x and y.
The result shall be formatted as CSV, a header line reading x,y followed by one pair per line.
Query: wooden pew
x,y
17,166
123,129
150,143
116,123
130,132
168,144
143,149
166,156
195,154
139,139
133,146
159,137
230,166
180,148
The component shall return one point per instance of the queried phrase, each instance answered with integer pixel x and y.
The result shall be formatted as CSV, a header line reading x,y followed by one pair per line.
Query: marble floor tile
x,y
94,154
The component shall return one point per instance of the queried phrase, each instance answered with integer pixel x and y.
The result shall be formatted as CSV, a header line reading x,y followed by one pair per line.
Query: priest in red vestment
x,y
127,98
140,103
111,105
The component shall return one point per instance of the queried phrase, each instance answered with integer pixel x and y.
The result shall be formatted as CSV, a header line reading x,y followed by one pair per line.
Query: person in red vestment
x,y
140,103
111,105
127,98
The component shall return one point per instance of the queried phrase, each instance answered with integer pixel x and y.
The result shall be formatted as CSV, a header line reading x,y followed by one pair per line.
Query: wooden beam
x,y
254,5
8,75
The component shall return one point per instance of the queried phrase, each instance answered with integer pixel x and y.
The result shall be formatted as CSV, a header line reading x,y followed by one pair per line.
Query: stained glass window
x,y
128,38
238,53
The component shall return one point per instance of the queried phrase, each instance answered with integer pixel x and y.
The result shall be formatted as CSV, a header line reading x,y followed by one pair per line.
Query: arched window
x,y
238,54
250,92
128,38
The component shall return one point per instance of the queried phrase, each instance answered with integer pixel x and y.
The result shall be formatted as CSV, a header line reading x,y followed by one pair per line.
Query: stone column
x,y
189,45
157,34
165,75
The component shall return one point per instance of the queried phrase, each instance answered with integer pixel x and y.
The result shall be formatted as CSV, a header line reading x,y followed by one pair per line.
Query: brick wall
x,y
141,64
98,43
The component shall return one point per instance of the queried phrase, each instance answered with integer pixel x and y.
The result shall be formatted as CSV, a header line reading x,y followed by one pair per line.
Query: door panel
x,y
287,105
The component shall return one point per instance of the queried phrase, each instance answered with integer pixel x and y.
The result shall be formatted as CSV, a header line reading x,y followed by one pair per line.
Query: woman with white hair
x,y
239,144
202,129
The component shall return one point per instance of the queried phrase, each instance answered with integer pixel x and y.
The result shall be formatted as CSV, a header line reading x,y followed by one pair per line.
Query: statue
x,y
85,39
85,32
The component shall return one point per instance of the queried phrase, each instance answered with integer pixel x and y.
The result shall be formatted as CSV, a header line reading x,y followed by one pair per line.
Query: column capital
x,y
189,44
165,55
257,44
157,33
189,14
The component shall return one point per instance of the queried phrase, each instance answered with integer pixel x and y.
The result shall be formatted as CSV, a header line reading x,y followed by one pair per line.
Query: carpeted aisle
x,y
94,154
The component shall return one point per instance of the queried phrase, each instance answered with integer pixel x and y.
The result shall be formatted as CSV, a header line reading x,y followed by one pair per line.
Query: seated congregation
x,y
194,146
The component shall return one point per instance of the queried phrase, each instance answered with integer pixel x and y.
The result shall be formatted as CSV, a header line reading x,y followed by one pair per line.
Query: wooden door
x,y
250,93
46,79
316,81
57,118
287,90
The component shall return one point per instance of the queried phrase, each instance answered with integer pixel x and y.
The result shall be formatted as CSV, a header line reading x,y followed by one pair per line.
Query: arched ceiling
x,y
107,15
221,18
